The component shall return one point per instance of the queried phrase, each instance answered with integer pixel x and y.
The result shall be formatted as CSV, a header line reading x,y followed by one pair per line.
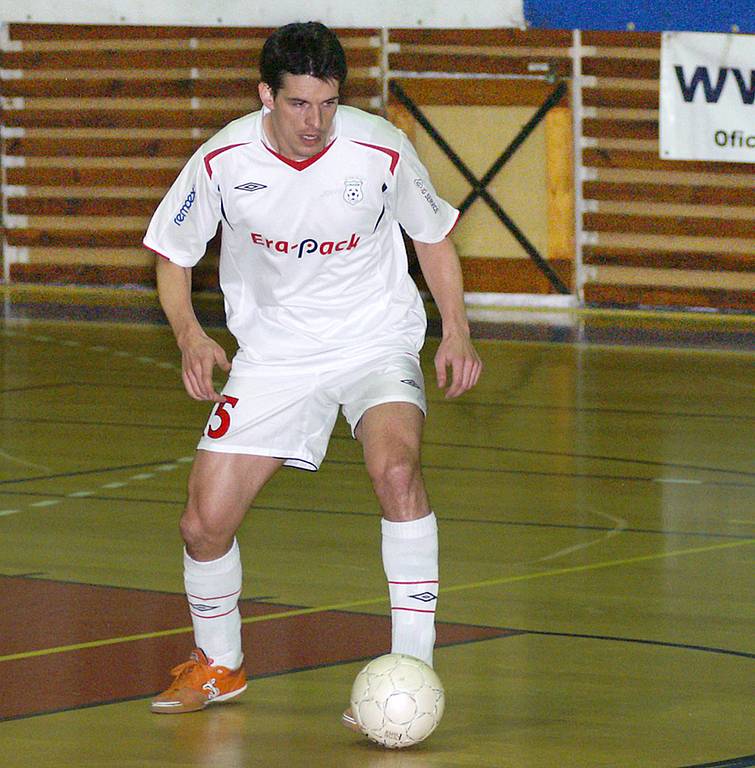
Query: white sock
x,y
213,590
410,560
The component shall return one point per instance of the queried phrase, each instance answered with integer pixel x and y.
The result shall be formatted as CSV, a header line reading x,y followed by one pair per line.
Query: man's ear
x,y
266,95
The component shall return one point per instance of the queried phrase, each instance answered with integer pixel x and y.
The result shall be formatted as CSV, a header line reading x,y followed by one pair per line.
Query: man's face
x,y
301,114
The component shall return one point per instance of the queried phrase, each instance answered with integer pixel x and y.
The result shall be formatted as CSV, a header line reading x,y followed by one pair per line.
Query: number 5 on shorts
x,y
224,416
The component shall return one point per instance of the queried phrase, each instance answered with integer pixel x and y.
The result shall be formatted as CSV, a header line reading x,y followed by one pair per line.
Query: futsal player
x,y
309,195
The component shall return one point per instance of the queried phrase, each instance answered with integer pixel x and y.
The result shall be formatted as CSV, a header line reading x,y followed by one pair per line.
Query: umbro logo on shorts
x,y
251,186
411,383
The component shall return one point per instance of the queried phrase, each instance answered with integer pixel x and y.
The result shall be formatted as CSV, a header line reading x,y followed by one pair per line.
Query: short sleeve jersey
x,y
313,267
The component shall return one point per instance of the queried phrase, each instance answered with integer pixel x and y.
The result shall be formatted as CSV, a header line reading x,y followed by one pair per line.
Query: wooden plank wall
x,y
656,232
98,120
502,68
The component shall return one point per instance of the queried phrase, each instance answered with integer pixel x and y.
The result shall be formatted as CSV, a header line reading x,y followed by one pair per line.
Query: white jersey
x,y
312,264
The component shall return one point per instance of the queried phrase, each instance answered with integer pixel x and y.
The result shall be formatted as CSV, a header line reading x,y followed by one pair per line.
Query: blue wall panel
x,y
645,15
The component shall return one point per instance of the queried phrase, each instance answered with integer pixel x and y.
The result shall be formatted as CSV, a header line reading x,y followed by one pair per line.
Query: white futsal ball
x,y
397,700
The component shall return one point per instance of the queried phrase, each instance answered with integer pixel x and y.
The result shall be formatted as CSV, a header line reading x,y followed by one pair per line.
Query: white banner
x,y
707,94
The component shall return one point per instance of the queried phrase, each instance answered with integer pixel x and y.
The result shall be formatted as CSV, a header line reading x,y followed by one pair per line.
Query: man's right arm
x,y
199,353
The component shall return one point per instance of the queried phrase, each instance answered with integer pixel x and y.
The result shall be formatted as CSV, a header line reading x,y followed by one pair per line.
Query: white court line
x,y
677,481
112,485
620,524
93,347
23,462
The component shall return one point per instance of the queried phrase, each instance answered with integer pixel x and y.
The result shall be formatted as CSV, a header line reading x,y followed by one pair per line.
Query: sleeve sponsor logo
x,y
425,192
308,245
183,211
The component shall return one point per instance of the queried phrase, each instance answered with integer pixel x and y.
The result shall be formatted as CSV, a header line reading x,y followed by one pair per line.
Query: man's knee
x,y
394,472
206,536
398,484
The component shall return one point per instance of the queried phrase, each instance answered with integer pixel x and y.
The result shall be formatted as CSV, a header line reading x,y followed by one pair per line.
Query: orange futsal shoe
x,y
197,683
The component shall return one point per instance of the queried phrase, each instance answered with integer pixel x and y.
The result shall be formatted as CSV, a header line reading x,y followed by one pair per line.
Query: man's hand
x,y
199,355
442,271
456,352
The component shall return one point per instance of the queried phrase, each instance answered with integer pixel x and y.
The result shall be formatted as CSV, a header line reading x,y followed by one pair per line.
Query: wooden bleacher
x,y
98,120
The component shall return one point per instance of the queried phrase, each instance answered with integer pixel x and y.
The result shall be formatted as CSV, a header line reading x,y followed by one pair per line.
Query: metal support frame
x,y
579,172
479,186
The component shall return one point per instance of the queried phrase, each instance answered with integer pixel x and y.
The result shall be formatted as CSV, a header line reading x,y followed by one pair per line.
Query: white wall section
x,y
376,13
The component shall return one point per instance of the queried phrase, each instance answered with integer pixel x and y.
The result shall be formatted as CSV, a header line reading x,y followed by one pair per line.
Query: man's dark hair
x,y
302,48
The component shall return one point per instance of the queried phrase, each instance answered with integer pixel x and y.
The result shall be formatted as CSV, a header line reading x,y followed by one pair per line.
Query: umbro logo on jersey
x,y
411,383
251,186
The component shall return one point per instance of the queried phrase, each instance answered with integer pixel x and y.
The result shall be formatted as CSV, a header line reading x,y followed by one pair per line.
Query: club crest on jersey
x,y
352,191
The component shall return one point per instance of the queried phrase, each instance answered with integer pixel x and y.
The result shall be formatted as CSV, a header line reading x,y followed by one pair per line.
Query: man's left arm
x,y
442,272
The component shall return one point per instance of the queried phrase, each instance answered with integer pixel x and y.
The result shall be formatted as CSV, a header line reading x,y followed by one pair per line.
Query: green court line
x,y
377,600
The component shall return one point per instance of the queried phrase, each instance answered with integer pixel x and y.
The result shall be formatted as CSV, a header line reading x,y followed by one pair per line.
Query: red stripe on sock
x,y
216,616
412,610
427,581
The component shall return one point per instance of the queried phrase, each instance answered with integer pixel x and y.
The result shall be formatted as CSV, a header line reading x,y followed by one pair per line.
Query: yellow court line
x,y
375,601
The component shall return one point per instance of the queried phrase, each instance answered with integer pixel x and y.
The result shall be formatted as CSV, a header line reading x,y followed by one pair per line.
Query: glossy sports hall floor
x,y
596,495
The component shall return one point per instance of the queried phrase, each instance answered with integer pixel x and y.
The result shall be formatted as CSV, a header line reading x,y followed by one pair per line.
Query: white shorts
x,y
291,417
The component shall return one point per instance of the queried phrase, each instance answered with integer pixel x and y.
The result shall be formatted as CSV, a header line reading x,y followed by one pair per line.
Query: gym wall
x,y
97,120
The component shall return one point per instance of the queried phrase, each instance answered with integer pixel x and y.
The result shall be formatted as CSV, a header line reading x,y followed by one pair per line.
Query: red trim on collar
x,y
216,152
392,153
299,165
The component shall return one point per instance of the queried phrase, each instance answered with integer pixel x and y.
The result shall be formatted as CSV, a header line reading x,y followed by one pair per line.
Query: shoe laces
x,y
187,672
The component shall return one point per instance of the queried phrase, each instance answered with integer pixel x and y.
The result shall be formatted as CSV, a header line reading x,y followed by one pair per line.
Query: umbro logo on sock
x,y
200,608
424,597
